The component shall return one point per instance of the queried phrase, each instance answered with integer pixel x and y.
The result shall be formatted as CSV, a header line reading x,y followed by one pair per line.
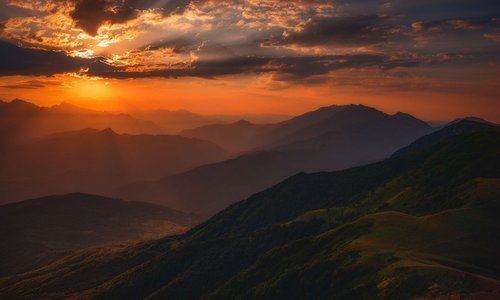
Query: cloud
x,y
284,68
457,24
91,14
493,36
23,61
32,84
341,31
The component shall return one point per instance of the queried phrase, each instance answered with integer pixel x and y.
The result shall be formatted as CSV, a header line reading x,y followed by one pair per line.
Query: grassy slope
x,y
298,235
388,254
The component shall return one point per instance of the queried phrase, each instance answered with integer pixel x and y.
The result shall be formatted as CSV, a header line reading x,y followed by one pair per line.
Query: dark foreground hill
x,y
423,224
328,139
38,231
92,161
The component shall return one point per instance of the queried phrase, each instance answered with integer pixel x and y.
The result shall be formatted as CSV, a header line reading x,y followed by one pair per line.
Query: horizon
x,y
280,117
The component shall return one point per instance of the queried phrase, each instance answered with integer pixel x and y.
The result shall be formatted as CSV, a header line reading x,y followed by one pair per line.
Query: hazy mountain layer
x,y
328,139
21,121
241,136
94,161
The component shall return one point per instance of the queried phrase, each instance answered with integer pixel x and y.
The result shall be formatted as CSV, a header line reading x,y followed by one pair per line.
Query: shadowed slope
x,y
38,231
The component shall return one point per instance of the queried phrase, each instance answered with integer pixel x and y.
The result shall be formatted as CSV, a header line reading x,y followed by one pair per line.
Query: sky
x,y
436,59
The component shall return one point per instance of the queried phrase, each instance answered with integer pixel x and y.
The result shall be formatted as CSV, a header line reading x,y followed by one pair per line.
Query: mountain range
x,y
421,224
331,138
21,121
93,161
175,121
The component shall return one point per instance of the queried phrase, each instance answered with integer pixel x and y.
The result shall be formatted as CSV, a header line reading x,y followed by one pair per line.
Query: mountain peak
x,y
405,117
243,122
362,108
19,105
108,131
21,102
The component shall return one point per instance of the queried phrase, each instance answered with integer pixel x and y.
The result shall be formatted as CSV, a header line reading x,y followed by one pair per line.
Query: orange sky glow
x,y
233,57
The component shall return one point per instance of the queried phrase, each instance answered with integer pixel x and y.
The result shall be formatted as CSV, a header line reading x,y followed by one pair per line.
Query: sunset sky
x,y
436,59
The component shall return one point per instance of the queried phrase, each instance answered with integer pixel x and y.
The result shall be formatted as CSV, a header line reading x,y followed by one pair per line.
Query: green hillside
x,y
420,224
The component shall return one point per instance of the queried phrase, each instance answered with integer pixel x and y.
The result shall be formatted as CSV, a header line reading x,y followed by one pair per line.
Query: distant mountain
x,y
178,120
421,225
93,161
256,118
38,231
175,120
236,137
302,121
21,121
328,139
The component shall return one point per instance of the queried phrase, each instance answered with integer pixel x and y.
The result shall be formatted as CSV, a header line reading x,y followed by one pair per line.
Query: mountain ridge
x,y
212,187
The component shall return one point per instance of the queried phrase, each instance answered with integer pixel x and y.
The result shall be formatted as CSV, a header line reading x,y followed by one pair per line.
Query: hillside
x,y
38,231
423,224
328,139
21,121
93,161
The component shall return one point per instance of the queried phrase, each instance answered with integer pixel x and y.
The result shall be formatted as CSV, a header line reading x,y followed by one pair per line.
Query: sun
x,y
93,89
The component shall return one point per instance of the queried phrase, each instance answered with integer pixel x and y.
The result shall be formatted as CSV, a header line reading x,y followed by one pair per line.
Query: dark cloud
x,y
31,84
433,26
91,14
344,31
285,68
179,45
22,61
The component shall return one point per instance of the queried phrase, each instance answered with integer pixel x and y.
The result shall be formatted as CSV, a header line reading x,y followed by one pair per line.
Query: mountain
x,y
178,120
256,118
21,121
175,121
420,225
39,231
93,161
331,138
304,121
236,137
